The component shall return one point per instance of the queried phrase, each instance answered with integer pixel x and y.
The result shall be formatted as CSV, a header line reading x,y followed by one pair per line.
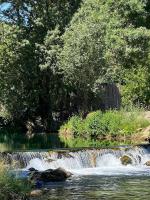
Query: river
x,y
96,187
97,173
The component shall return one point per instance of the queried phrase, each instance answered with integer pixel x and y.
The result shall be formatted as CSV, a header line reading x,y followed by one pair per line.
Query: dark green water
x,y
16,141
101,188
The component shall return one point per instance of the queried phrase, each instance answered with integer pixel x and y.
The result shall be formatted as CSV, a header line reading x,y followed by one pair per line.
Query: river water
x,y
103,183
121,187
98,174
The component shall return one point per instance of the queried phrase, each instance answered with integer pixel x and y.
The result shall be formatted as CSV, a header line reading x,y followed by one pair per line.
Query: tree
x,y
29,50
53,60
17,72
104,38
136,89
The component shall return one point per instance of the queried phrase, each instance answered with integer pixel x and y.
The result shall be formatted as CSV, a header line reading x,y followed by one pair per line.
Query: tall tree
x,y
104,38
30,75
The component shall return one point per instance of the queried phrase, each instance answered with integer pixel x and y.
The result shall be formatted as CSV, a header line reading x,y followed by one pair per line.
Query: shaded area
x,y
16,141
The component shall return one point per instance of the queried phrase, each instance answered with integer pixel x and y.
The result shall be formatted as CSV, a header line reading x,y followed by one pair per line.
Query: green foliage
x,y
14,53
99,125
10,187
104,37
93,124
111,121
135,89
30,31
55,54
75,125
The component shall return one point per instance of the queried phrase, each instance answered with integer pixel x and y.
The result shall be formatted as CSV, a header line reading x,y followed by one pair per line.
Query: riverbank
x,y
106,129
97,129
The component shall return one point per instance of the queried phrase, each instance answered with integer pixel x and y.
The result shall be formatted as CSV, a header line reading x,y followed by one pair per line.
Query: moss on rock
x,y
147,163
126,160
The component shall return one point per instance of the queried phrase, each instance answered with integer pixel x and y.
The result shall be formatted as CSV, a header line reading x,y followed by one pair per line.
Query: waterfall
x,y
79,160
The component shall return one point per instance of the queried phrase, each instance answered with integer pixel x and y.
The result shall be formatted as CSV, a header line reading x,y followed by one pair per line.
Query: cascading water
x,y
85,161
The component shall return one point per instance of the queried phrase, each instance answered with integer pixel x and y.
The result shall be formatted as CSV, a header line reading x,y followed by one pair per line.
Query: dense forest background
x,y
55,54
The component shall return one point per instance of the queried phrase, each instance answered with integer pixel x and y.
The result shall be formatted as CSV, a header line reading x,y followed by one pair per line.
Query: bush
x,y
132,121
111,121
10,187
136,89
93,124
74,125
98,125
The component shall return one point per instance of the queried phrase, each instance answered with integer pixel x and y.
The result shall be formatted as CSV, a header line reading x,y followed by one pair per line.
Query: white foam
x,y
38,164
111,171
108,160
95,162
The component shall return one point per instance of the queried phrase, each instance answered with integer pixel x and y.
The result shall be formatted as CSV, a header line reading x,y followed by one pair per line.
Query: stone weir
x,y
78,158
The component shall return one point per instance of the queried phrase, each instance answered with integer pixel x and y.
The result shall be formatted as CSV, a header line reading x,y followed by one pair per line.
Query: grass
x,y
10,187
98,128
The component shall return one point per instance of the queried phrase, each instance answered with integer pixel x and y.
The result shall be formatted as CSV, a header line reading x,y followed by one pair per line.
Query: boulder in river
x,y
147,163
35,193
50,175
32,169
126,160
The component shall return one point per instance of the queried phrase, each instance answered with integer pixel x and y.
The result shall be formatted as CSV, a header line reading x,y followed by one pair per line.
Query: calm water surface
x,y
12,142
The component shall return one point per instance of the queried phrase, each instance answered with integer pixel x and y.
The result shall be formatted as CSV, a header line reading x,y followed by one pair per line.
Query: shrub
x,y
111,121
132,121
93,124
136,86
10,187
74,126
98,125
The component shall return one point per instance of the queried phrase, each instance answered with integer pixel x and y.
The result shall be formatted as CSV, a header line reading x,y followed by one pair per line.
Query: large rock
x,y
32,169
147,163
50,175
35,193
126,160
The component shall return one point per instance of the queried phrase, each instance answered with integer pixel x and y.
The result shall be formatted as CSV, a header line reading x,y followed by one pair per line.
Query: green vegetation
x,y
136,88
57,59
108,41
10,187
55,55
31,85
111,127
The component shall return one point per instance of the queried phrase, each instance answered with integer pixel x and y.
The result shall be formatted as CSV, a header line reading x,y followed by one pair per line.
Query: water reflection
x,y
100,188
9,142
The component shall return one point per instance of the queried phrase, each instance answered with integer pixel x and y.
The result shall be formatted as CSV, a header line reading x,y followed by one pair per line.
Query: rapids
x,y
85,161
